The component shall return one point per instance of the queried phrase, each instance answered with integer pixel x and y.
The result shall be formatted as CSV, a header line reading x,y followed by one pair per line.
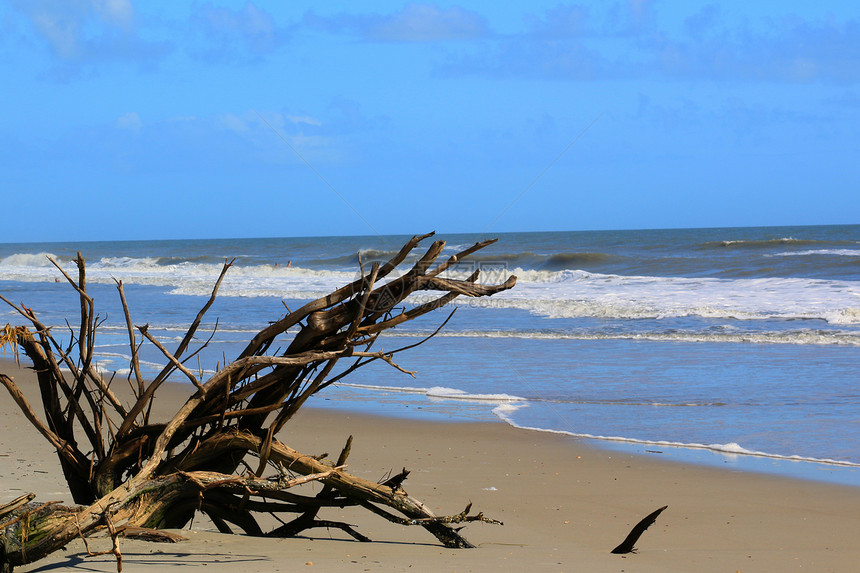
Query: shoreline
x,y
791,467
826,471
565,505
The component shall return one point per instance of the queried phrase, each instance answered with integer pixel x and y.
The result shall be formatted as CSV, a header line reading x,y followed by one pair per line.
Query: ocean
x,y
732,346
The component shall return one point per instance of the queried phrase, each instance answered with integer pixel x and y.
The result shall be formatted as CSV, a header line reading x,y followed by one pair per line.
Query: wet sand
x,y
564,505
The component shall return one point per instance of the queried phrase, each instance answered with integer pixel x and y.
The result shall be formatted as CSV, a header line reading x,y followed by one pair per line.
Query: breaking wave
x,y
567,293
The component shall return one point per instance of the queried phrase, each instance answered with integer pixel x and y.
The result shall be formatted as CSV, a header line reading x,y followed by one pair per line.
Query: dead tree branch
x,y
145,475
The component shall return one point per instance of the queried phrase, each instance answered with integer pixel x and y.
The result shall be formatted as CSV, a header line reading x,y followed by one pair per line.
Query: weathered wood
x,y
628,545
16,503
149,475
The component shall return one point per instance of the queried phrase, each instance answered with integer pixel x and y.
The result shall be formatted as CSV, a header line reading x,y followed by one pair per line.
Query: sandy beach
x,y
564,505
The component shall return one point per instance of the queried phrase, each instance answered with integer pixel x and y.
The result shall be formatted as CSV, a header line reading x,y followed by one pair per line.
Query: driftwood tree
x,y
219,454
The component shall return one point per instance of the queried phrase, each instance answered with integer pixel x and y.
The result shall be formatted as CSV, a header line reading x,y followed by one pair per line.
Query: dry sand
x,y
564,505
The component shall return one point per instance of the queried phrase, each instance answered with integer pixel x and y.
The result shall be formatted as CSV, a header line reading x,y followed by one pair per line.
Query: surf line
x,y
317,173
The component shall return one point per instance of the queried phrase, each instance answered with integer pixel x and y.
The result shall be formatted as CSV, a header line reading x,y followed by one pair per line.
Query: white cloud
x,y
428,23
304,119
117,12
59,28
86,33
416,22
569,43
560,22
300,140
226,34
130,121
234,123
67,25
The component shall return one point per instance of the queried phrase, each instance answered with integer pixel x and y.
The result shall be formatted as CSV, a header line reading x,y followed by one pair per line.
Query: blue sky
x,y
129,120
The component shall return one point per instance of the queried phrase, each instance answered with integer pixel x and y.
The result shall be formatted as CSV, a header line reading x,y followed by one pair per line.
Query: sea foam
x,y
505,412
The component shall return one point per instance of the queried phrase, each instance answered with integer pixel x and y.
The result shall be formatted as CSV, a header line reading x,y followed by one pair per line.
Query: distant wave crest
x,y
816,252
769,243
365,256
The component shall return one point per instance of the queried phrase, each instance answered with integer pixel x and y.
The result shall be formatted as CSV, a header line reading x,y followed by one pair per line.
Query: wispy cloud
x,y
118,12
302,132
82,34
628,41
787,49
560,22
526,57
282,122
130,121
224,34
416,22
304,119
